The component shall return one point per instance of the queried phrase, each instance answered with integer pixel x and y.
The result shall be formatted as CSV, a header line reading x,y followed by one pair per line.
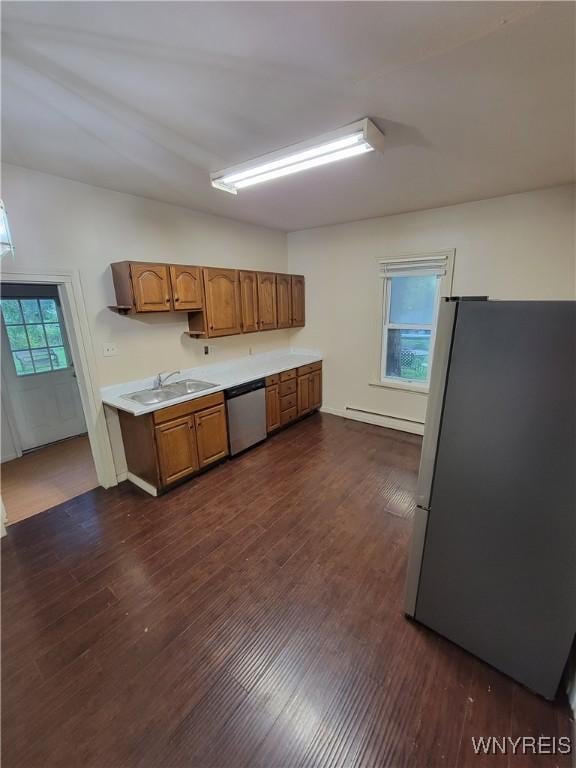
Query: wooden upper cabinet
x,y
211,435
177,454
267,301
284,300
219,302
249,301
186,287
222,301
298,301
151,287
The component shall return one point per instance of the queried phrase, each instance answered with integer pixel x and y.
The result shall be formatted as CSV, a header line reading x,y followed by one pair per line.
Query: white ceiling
x,y
476,99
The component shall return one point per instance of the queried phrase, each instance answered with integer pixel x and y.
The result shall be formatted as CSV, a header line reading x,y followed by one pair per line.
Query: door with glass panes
x,y
37,367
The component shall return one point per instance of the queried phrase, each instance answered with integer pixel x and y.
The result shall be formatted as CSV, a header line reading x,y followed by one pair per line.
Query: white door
x,y
38,372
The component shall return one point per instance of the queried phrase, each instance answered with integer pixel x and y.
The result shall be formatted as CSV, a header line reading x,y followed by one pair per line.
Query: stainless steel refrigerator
x,y
492,565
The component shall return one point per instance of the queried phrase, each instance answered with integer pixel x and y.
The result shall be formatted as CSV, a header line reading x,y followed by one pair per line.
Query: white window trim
x,y
443,259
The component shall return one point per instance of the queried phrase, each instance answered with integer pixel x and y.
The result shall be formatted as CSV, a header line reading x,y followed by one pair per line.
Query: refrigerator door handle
x,y
438,377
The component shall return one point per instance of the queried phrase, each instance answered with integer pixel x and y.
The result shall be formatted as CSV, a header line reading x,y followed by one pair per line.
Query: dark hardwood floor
x,y
252,617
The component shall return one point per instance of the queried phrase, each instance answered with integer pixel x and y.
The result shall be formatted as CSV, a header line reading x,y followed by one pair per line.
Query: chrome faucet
x,y
159,381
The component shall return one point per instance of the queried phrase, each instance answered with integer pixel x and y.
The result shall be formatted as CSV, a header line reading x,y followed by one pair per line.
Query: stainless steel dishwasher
x,y
246,407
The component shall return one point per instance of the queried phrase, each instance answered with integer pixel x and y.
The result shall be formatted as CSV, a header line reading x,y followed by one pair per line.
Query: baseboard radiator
x,y
384,415
389,421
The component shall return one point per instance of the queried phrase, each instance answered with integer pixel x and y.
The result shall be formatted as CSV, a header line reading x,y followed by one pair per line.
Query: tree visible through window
x,y
34,335
410,308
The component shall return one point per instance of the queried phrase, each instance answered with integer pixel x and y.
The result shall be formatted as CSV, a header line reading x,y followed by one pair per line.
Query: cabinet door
x,y
151,287
249,301
272,408
298,301
267,301
186,287
315,389
211,435
222,294
303,394
284,300
176,445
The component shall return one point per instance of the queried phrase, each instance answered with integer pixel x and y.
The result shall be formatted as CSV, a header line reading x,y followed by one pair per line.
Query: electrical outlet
x,y
209,349
109,349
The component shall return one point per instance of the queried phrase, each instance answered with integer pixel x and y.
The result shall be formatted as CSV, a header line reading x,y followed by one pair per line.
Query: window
x,y
412,289
35,335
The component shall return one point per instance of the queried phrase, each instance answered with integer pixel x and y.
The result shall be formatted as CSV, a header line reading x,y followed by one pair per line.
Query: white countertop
x,y
223,375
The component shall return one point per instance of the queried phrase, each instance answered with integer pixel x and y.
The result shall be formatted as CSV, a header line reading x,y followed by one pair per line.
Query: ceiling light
x,y
352,140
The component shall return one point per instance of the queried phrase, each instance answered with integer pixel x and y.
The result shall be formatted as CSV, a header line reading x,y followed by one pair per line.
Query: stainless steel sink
x,y
152,396
190,386
170,392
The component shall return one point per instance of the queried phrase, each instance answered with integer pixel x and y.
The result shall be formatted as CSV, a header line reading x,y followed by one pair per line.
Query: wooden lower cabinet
x,y
303,394
289,415
309,388
177,450
211,435
272,407
315,388
174,443
292,394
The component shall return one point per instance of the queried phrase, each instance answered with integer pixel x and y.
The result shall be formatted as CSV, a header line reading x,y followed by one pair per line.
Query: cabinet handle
x,y
167,299
176,298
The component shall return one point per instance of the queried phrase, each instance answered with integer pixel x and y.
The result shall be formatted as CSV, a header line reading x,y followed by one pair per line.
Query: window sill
x,y
407,386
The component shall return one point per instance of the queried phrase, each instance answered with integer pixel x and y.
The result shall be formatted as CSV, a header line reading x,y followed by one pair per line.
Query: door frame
x,y
80,340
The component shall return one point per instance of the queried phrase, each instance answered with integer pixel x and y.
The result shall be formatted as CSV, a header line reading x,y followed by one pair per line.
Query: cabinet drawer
x,y
271,380
288,401
287,375
184,409
305,369
288,387
288,415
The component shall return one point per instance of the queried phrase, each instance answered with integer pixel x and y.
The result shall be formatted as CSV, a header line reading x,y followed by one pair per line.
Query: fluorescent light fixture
x,y
352,140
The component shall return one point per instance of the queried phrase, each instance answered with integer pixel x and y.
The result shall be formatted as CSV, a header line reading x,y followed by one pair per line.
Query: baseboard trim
x,y
378,419
142,484
10,457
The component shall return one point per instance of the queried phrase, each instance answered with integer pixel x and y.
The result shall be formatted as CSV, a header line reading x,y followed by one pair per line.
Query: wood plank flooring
x,y
250,618
48,476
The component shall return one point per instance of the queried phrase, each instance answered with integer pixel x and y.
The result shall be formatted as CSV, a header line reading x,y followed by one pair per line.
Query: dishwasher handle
x,y
243,389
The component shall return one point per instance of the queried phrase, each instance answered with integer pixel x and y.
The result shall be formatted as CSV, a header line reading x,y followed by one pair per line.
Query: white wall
x,y
61,224
58,223
514,247
8,448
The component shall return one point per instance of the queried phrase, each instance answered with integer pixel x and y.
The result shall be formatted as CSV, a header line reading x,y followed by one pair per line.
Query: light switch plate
x,y
109,349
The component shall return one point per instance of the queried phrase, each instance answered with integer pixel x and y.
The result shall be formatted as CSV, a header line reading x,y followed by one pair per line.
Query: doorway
x,y
45,451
